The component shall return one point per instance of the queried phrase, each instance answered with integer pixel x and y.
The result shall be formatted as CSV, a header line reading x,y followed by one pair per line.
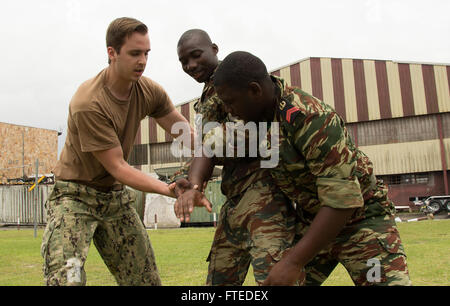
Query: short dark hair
x,y
191,33
239,69
121,28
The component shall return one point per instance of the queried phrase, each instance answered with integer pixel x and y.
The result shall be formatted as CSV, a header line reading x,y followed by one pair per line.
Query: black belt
x,y
105,189
117,187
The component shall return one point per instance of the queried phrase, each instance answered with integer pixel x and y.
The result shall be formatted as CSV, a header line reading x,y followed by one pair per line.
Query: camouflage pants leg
x,y
77,215
254,228
371,251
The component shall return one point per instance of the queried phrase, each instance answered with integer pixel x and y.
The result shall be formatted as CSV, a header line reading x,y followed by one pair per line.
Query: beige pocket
x,y
391,242
48,233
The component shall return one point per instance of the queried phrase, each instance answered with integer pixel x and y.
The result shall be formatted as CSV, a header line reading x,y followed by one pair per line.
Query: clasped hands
x,y
188,196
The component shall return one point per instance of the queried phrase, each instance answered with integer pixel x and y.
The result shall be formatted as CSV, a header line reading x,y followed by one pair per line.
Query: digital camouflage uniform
x,y
76,215
320,166
257,221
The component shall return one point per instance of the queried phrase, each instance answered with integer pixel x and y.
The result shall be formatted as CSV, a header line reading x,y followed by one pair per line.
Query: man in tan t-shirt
x,y
89,200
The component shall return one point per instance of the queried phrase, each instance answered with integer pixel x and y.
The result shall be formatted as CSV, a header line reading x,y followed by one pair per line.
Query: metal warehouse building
x,y
398,113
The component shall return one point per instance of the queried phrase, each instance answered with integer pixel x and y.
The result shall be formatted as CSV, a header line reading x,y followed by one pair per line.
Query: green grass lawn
x,y
181,256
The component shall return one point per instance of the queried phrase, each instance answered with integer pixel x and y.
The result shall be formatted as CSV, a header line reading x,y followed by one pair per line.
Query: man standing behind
x,y
257,222
89,200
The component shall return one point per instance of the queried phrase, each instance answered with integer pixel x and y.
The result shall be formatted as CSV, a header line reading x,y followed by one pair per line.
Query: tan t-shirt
x,y
99,121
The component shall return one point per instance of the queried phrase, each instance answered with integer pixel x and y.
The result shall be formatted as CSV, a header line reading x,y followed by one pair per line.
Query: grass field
x,y
181,255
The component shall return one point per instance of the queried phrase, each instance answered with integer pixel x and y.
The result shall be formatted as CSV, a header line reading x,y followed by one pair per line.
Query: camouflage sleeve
x,y
183,172
211,110
323,141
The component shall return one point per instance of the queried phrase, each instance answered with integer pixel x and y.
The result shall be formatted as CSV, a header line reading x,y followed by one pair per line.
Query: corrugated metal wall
x,y
403,145
396,130
160,153
363,90
407,157
16,203
391,107
153,133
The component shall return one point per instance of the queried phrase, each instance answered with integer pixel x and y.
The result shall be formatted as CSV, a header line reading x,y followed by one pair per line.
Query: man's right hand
x,y
185,203
181,186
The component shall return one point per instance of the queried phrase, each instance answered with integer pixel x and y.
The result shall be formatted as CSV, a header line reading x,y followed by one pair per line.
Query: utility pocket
x,y
51,247
391,242
393,264
276,254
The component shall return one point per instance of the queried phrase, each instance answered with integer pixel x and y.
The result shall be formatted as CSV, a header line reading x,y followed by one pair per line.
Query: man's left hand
x,y
185,203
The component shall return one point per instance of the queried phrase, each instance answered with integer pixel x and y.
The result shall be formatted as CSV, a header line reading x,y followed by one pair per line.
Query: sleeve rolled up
x,y
339,193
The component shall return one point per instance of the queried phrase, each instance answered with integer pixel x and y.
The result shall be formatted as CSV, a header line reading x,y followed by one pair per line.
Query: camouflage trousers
x,y
255,227
78,214
370,250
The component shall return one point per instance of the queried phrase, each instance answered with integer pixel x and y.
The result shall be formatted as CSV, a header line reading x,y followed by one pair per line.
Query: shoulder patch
x,y
288,110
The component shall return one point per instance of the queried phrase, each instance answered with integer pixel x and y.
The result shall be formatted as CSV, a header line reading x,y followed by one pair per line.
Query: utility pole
x,y
36,192
23,155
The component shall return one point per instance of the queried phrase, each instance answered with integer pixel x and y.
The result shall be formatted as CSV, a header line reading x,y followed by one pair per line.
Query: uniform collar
x,y
209,84
280,87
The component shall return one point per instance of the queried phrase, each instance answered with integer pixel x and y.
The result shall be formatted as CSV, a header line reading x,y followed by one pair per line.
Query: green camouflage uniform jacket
x,y
238,173
319,165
